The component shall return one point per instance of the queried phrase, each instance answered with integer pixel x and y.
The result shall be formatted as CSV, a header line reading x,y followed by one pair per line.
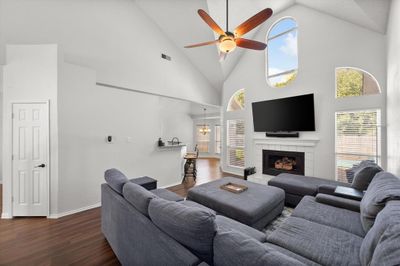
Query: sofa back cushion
x,y
387,251
390,215
191,226
352,171
115,179
234,248
384,187
364,175
138,196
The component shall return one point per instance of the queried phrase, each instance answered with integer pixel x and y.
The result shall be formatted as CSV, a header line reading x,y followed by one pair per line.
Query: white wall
x,y
82,115
88,113
393,92
113,37
324,43
30,75
1,124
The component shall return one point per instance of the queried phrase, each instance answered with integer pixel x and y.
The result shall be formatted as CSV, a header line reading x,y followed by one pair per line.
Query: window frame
x,y
379,136
362,71
216,142
231,99
268,39
228,146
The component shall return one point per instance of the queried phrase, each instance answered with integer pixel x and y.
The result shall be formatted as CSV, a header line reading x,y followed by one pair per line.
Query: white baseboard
x,y
59,215
171,185
5,215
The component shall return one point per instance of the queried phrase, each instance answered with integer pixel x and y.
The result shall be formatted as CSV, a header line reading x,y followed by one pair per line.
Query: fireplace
x,y
277,162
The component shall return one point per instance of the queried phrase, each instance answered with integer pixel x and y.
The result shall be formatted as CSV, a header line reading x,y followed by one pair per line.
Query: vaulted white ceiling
x,y
178,19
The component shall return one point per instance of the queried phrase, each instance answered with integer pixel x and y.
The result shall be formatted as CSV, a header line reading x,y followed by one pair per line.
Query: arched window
x,y
236,102
352,81
281,54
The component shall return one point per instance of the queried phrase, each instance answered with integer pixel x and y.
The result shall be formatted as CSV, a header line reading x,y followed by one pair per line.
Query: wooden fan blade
x,y
213,25
201,44
250,44
253,22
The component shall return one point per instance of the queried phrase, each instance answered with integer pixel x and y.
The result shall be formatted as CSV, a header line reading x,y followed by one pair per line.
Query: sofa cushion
x,y
390,215
364,176
339,202
115,179
314,211
192,227
387,252
292,254
383,187
228,224
190,203
351,171
320,243
234,248
138,196
166,194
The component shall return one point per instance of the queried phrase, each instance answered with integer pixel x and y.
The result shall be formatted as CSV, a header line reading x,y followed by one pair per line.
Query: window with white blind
x,y
203,141
358,138
235,142
217,139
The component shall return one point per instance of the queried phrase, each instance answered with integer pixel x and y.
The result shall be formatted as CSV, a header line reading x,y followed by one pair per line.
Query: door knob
x,y
40,166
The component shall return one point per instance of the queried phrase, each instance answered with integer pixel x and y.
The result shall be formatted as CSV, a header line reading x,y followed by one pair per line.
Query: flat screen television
x,y
285,115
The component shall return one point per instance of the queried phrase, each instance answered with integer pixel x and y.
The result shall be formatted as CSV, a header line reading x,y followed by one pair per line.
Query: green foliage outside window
x,y
239,98
289,78
356,123
239,154
237,101
349,82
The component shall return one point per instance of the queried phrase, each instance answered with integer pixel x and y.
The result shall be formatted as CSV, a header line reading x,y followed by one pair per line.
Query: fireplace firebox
x,y
277,162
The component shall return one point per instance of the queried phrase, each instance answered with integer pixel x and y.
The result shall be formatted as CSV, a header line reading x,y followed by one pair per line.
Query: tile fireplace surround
x,y
306,145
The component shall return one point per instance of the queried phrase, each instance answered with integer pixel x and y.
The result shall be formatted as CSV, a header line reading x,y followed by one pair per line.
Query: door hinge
x,y
12,157
12,116
12,198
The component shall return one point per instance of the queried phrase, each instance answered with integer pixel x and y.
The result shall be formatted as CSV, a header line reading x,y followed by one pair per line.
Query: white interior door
x,y
30,159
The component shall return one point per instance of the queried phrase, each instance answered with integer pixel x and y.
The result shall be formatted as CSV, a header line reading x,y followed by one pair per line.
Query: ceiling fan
x,y
227,41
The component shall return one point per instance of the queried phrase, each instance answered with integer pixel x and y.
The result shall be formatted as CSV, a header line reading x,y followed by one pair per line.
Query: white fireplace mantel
x,y
306,142
306,145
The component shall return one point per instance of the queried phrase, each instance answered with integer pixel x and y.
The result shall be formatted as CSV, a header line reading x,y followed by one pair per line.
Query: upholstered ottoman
x,y
256,207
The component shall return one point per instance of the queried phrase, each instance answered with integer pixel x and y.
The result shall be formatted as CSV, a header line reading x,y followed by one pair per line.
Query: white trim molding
x,y
59,215
306,145
5,215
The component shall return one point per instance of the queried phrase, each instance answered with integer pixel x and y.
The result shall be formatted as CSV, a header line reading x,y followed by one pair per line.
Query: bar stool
x,y
191,158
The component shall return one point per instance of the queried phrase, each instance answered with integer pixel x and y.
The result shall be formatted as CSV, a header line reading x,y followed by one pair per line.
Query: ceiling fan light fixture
x,y
227,44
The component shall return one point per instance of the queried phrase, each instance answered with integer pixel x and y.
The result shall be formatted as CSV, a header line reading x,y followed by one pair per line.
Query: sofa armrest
x,y
349,204
326,189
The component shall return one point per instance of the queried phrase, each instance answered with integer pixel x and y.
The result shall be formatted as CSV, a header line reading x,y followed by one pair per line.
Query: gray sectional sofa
x,y
145,229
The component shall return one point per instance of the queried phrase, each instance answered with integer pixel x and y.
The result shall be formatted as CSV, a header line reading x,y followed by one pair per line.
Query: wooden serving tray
x,y
234,188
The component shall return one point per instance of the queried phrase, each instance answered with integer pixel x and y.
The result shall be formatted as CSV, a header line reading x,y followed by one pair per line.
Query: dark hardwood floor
x,y
75,239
